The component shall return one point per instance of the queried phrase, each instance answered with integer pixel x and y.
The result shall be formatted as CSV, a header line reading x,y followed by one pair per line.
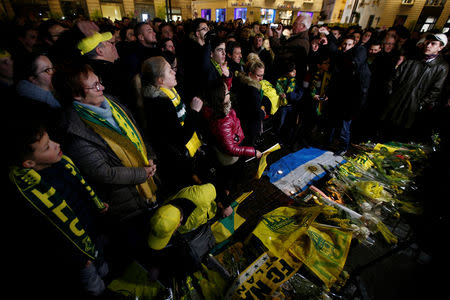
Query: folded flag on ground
x,y
295,172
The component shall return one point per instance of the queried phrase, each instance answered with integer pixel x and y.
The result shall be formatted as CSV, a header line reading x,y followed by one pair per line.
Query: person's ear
x,y
99,51
33,80
78,98
29,163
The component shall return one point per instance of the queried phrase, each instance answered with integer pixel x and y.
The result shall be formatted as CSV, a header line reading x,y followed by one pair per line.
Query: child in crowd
x,y
54,189
290,93
317,80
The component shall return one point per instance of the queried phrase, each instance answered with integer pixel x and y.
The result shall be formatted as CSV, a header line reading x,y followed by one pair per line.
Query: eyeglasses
x,y
202,29
98,85
48,71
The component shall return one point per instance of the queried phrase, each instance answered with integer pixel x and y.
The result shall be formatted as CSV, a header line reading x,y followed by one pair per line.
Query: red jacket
x,y
228,133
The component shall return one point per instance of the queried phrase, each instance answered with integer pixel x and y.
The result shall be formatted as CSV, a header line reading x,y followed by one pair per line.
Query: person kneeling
x,y
180,232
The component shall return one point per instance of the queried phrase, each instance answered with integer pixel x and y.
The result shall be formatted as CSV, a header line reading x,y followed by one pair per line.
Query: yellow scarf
x,y
127,145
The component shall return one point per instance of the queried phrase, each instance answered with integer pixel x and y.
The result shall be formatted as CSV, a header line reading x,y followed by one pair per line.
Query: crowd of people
x,y
130,136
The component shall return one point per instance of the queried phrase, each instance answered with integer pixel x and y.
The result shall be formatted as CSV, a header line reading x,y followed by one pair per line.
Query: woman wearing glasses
x,y
102,139
35,74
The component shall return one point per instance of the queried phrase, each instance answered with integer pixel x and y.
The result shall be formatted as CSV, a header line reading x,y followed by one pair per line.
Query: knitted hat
x,y
91,42
163,224
4,53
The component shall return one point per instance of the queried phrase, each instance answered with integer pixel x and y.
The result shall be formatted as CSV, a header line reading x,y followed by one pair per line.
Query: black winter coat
x,y
417,84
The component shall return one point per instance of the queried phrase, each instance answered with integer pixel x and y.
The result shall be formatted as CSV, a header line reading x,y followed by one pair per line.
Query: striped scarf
x,y
176,101
126,127
194,143
126,143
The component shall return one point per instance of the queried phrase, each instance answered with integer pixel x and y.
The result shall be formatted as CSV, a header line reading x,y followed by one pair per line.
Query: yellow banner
x,y
324,251
280,228
263,277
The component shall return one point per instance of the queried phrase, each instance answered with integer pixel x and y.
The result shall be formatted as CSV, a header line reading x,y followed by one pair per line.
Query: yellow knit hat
x,y
4,53
163,224
91,42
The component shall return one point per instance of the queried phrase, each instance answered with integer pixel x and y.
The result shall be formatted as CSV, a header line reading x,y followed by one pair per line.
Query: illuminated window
x,y
220,15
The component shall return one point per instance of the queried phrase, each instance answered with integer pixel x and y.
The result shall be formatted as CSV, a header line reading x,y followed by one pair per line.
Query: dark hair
x,y
67,81
123,32
288,67
164,24
162,42
349,37
45,27
169,56
137,28
319,59
25,133
214,95
21,31
402,32
27,67
215,41
230,46
196,23
376,42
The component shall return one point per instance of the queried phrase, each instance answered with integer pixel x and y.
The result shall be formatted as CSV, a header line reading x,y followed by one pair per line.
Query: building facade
x,y
421,15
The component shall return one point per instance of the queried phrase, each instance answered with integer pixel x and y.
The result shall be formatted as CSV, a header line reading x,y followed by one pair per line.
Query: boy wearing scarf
x,y
64,205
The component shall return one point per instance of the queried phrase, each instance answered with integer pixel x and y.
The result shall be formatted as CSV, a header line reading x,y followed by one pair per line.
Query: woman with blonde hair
x,y
249,96
172,126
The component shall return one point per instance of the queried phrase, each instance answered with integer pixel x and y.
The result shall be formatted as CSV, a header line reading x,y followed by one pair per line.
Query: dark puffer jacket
x,y
415,85
227,133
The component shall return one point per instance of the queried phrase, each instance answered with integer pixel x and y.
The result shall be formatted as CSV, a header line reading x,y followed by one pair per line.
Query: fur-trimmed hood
x,y
151,91
245,79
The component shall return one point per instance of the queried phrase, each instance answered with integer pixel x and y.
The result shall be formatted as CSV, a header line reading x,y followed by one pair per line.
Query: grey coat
x,y
113,183
416,84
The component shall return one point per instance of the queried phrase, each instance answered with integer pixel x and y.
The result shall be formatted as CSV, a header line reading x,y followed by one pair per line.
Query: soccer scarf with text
x,y
52,205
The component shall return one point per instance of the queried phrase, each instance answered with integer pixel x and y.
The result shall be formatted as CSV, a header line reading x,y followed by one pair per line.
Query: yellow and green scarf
x,y
217,67
51,204
127,127
319,85
127,143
